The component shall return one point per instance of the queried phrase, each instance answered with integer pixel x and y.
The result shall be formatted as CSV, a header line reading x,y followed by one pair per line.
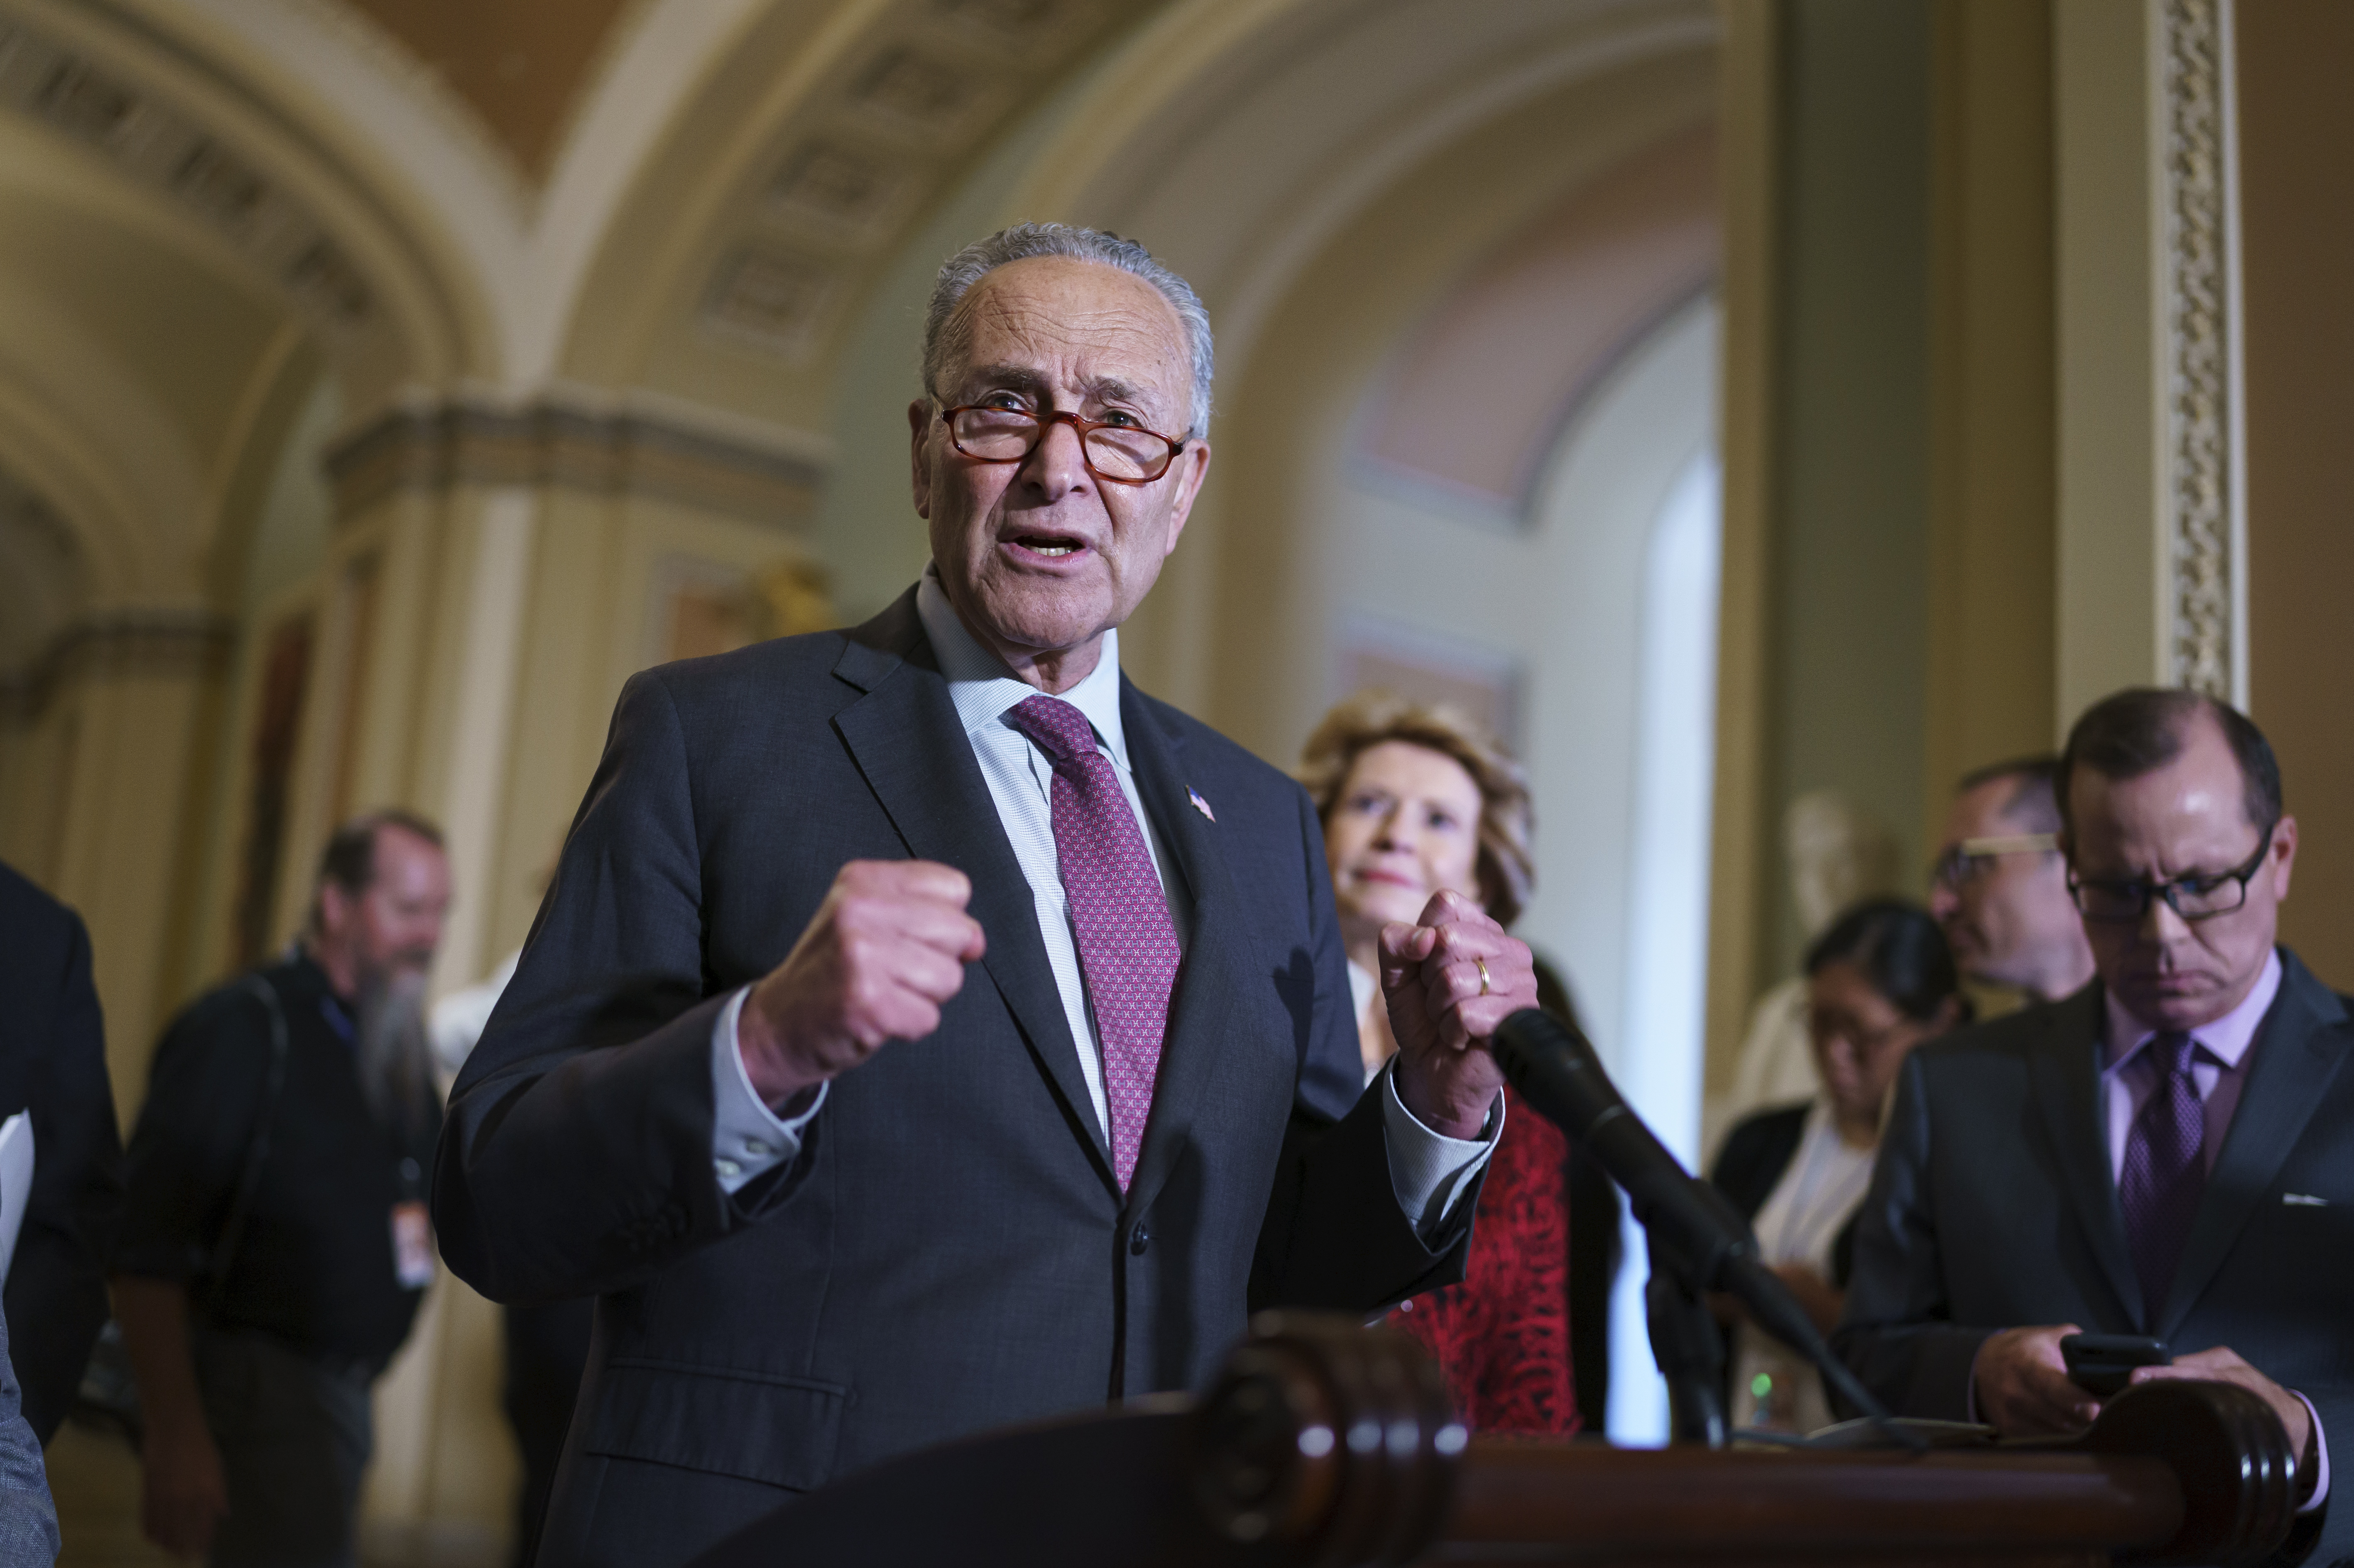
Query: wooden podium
x,y
1325,1444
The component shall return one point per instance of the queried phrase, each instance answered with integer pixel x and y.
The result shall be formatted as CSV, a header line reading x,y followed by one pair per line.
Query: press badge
x,y
412,1245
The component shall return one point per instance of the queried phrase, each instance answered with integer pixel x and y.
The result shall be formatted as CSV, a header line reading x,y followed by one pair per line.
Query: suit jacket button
x,y
1137,1240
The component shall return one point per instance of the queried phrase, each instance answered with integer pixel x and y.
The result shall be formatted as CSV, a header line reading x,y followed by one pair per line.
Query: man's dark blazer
x,y
1993,1207
53,1065
950,1250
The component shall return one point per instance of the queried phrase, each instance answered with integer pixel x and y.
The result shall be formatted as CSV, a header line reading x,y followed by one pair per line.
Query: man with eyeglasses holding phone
x,y
2000,886
2168,1154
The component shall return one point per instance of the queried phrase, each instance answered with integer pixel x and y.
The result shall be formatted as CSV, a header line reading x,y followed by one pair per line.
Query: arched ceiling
x,y
41,574
133,342
804,163
688,199
687,194
521,65
1477,399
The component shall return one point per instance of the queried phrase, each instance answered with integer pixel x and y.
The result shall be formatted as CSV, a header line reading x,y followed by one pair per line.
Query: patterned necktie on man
x,y
1127,946
2165,1170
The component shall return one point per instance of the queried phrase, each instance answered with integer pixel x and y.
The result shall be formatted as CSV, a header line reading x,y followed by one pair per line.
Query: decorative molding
x,y
161,145
22,507
118,644
606,451
43,577
2203,495
934,81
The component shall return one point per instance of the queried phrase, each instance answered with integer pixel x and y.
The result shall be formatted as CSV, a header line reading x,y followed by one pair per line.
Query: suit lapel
x,y
1208,981
910,744
2298,1048
2067,1071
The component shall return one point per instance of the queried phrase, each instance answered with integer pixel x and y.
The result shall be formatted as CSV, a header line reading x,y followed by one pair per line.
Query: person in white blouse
x,y
1879,981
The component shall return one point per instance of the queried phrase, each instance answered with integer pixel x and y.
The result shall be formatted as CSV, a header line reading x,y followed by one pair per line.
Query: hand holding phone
x,y
2105,1363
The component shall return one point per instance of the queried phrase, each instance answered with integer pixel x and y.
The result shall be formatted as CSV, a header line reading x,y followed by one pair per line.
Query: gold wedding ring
x,y
1483,975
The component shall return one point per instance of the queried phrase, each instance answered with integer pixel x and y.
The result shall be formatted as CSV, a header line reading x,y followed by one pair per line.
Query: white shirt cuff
x,y
1429,1170
747,1138
2321,1456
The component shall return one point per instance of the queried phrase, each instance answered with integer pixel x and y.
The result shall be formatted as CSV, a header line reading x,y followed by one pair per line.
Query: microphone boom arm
x,y
1698,1241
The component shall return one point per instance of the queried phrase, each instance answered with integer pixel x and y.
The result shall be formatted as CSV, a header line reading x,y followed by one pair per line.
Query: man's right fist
x,y
886,948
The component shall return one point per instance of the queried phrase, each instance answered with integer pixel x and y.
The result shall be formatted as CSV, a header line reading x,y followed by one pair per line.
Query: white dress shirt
x,y
1428,1172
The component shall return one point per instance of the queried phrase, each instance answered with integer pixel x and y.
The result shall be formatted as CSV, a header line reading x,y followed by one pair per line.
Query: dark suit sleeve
x,y
577,1158
1334,1235
56,1280
1898,1334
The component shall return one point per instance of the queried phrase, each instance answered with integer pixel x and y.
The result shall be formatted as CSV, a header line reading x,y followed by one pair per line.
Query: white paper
x,y
15,1182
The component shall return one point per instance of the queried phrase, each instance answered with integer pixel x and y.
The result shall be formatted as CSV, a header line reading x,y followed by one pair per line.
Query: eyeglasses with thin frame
x,y
1117,453
1971,857
2202,896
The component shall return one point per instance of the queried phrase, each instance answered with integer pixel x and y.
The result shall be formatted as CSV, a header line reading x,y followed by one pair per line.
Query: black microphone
x,y
1701,1234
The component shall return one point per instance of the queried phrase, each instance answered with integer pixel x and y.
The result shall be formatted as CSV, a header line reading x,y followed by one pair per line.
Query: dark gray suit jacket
x,y
53,1066
950,1250
1993,1207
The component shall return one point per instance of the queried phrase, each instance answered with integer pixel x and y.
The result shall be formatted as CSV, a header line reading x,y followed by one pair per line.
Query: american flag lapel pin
x,y
1199,804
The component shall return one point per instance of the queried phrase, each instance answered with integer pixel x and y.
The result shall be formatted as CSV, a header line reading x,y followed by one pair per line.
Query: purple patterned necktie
x,y
2164,1174
1128,946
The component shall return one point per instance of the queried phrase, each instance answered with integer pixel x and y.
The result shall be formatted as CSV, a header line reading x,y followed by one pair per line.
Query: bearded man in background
x,y
275,1245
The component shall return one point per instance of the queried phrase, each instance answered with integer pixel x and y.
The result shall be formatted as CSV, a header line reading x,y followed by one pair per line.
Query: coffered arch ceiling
x,y
1337,183
1230,134
695,197
690,195
127,346
1240,136
41,573
243,166
174,250
805,162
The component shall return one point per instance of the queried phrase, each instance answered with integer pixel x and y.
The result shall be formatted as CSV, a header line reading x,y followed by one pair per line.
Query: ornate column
x,y
2203,502
2152,552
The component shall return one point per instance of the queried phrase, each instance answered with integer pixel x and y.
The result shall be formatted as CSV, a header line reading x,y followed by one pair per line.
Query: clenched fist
x,y
885,949
1443,1008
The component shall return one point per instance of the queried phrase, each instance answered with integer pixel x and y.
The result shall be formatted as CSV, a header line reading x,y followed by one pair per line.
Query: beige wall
x,y
1893,424
1851,564
1825,661
2297,126
2110,539
1992,548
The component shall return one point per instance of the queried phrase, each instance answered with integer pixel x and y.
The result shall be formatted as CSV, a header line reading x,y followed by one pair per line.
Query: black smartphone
x,y
2101,1364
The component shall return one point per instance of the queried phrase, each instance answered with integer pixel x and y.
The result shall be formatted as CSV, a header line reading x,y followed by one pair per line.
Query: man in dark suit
x,y
925,1030
2169,1151
53,1066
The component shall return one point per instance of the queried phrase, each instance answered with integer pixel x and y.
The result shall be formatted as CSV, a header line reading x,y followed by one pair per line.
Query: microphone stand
x,y
1690,1349
1698,1241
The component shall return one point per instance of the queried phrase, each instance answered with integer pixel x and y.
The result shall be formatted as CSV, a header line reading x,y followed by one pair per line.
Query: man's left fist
x,y
1448,980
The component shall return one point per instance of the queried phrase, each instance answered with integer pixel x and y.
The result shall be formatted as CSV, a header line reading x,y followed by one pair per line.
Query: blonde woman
x,y
1416,802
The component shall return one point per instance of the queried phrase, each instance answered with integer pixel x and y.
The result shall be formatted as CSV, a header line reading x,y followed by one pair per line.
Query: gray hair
x,y
961,271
